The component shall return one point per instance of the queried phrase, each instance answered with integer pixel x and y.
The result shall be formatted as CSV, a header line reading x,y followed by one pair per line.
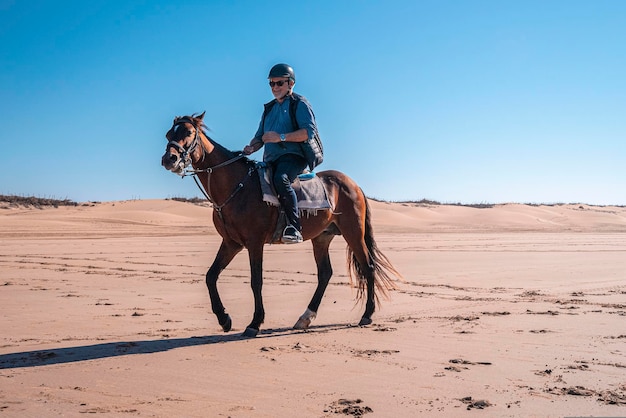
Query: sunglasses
x,y
278,83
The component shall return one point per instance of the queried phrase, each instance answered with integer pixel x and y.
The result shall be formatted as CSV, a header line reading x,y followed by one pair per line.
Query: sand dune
x,y
513,310
160,216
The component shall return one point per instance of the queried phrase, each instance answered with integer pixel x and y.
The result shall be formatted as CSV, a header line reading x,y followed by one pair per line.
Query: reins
x,y
195,173
209,170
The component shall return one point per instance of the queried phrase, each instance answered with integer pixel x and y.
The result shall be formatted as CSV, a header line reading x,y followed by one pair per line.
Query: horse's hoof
x,y
305,320
303,323
250,332
228,324
365,321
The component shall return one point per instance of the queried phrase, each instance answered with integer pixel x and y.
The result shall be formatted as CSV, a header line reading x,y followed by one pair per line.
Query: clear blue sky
x,y
455,101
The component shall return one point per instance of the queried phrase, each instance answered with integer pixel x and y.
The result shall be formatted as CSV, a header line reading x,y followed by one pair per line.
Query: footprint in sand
x,y
475,404
459,364
351,407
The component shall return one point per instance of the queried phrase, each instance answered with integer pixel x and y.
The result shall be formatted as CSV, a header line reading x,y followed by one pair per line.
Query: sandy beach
x,y
505,311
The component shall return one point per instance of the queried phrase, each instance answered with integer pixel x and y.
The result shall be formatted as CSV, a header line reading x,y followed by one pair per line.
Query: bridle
x,y
185,155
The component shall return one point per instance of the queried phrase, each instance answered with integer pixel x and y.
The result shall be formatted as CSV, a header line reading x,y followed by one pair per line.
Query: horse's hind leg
x,y
321,244
360,263
370,305
224,256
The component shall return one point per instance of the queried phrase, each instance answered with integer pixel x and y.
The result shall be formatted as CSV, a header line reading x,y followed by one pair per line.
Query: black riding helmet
x,y
282,70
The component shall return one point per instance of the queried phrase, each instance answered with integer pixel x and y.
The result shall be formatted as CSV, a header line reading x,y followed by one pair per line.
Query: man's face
x,y
280,86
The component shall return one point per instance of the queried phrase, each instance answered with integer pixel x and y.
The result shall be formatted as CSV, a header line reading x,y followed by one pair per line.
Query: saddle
x,y
309,189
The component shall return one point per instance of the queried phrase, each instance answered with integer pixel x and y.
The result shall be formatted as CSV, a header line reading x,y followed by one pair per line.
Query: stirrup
x,y
291,235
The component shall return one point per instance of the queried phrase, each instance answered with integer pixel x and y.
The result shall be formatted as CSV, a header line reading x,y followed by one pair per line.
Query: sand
x,y
513,310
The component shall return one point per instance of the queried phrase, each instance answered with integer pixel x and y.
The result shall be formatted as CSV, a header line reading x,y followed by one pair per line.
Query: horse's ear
x,y
201,115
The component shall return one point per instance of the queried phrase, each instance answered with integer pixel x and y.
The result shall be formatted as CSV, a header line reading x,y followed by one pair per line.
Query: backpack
x,y
312,148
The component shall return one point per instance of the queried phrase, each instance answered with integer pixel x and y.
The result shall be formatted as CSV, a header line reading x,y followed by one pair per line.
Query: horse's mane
x,y
199,122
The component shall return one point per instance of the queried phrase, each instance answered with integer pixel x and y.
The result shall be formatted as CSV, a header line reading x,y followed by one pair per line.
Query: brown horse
x,y
243,220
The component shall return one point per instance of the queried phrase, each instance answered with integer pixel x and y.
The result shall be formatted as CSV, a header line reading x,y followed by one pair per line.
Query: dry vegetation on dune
x,y
36,202
482,205
428,202
44,202
200,201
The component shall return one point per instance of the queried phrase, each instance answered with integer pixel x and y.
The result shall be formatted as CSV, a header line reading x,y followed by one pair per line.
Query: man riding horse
x,y
243,219
284,143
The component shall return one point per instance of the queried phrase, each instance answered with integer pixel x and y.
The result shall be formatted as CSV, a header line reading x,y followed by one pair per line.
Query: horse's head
x,y
183,146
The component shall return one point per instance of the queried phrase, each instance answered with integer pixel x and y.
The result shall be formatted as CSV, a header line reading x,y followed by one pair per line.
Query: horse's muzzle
x,y
172,162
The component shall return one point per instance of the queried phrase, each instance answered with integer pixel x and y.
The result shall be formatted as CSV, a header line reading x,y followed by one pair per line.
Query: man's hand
x,y
248,149
271,136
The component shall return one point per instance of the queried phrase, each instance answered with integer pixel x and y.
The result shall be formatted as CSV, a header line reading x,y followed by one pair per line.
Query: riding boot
x,y
293,231
286,170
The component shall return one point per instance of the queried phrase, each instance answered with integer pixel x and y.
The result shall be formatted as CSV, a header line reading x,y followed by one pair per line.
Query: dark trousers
x,y
286,168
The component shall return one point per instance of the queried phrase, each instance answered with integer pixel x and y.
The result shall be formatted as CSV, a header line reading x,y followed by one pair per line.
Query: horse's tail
x,y
381,267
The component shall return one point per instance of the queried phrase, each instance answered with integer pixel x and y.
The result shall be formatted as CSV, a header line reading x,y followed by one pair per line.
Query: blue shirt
x,y
279,120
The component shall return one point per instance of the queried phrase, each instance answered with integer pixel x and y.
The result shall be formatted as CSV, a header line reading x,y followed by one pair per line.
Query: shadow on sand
x,y
125,348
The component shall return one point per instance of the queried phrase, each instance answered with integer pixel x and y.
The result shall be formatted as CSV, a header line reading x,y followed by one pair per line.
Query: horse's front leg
x,y
256,282
228,250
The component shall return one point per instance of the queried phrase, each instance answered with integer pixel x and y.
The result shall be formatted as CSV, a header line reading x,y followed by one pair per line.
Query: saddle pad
x,y
309,190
